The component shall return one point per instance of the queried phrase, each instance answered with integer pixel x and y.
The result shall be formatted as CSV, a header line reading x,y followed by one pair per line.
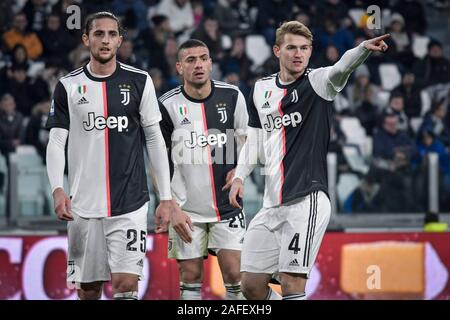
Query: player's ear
x,y
276,51
120,42
179,68
85,39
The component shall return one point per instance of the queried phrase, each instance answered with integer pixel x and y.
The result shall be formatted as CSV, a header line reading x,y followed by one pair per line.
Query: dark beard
x,y
102,60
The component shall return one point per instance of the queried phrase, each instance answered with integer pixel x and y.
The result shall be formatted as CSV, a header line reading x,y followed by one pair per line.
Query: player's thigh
x,y
302,233
87,260
261,246
126,237
227,234
198,248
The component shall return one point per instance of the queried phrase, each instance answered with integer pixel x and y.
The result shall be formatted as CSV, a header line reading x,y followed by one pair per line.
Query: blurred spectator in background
x,y
198,11
400,41
393,151
303,17
434,122
396,108
151,42
56,39
138,8
125,54
26,91
434,68
171,58
366,198
179,13
209,33
36,12
36,134
362,97
233,16
410,91
427,143
271,13
6,13
391,146
18,34
232,77
328,57
10,125
413,13
236,60
158,81
330,33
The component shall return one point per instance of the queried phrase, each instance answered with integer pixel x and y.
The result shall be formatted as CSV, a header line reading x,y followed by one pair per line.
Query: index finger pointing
x,y
384,36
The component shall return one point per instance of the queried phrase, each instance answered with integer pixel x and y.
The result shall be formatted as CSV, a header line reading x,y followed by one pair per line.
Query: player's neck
x,y
200,92
289,77
103,69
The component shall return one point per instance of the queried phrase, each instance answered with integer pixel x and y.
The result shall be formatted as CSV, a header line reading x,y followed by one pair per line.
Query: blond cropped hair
x,y
292,27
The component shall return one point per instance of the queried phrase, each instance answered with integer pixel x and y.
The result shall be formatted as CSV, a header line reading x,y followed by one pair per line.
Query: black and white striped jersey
x,y
295,120
105,117
203,136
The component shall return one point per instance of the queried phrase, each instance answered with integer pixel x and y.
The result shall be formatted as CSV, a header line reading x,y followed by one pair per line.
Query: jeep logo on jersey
x,y
202,141
282,121
101,123
125,93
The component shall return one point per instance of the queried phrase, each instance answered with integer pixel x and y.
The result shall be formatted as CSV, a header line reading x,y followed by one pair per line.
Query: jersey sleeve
x,y
253,117
240,116
327,82
166,124
58,116
148,108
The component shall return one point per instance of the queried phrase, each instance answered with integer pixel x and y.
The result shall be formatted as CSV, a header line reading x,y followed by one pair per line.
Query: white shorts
x,y
286,238
101,246
211,236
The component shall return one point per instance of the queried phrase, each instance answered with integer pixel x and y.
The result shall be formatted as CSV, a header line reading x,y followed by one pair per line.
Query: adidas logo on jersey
x,y
290,119
83,100
294,263
140,263
185,121
101,123
202,141
266,105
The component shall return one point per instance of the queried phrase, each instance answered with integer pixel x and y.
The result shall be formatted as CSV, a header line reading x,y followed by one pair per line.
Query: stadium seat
x,y
347,183
30,181
426,102
390,75
415,123
355,159
420,45
257,49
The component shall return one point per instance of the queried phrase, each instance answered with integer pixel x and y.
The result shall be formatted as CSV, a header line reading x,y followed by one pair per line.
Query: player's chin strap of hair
x,y
130,295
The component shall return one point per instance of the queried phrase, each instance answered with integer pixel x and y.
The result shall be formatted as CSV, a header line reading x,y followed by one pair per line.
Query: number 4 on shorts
x,y
294,243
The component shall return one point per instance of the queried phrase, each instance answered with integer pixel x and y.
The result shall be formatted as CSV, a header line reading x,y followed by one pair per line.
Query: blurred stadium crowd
x,y
392,113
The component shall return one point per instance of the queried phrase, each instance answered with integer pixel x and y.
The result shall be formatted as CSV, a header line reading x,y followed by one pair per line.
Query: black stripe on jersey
x,y
127,175
314,224
253,116
170,94
228,97
73,73
124,67
167,127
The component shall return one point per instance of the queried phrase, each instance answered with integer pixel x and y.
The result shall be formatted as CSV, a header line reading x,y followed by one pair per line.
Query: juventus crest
x,y
125,93
222,111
